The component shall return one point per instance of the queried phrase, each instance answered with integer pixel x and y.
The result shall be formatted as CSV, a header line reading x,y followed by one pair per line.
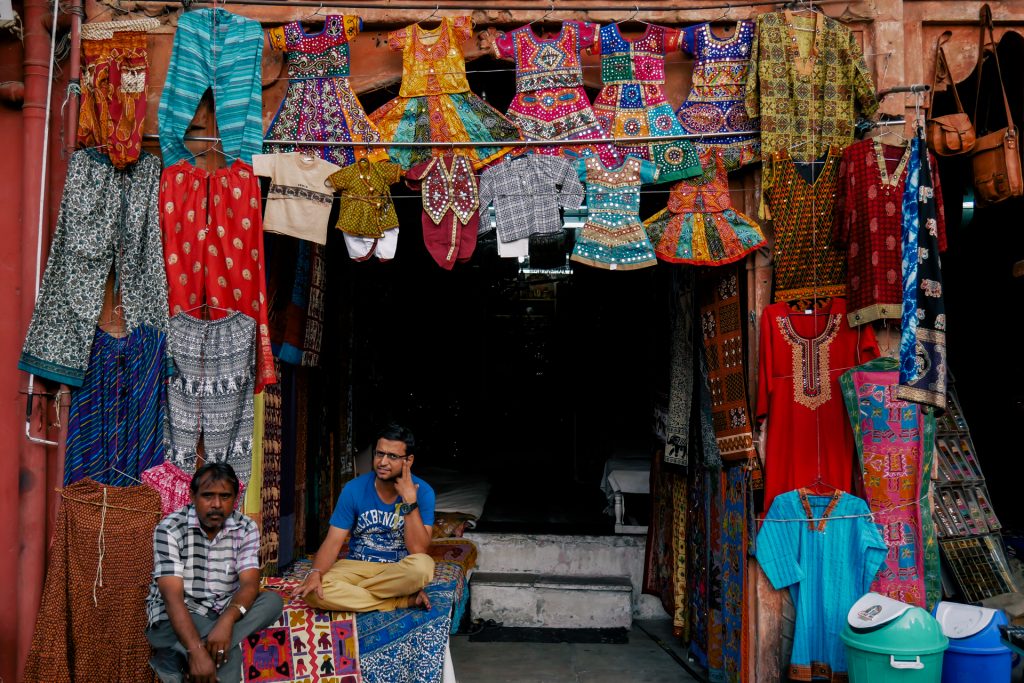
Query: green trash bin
x,y
888,641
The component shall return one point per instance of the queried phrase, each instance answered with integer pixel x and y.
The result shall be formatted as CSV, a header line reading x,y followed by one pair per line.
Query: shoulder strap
x,y
990,45
943,73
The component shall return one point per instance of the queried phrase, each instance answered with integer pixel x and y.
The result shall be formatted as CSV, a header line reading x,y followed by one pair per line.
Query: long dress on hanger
x,y
319,104
827,563
807,262
895,444
550,103
715,103
632,102
801,359
699,226
868,226
435,102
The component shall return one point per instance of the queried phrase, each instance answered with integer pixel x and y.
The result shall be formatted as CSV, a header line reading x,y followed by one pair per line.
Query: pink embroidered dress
x,y
550,103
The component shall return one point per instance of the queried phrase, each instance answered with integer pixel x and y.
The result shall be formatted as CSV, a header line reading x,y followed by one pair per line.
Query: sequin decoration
x,y
319,105
550,103
632,102
613,237
715,103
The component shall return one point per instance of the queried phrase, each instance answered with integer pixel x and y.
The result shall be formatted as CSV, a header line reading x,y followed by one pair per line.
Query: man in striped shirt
x,y
205,597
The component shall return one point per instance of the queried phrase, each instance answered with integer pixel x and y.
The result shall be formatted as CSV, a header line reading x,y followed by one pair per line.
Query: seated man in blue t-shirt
x,y
388,513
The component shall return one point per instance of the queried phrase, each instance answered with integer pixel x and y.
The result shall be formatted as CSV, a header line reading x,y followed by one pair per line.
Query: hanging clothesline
x,y
555,7
625,141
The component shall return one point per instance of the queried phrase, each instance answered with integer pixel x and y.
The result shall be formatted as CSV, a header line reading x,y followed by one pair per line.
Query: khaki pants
x,y
356,586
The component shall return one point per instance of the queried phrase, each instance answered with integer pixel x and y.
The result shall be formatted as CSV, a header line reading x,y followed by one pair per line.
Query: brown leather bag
x,y
996,157
952,134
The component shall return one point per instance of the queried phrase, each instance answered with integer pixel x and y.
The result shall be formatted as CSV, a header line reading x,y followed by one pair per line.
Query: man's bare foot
x,y
420,600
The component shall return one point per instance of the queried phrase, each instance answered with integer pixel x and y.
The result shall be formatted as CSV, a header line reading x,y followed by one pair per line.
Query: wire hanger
x,y
314,13
116,320
541,20
632,17
206,306
430,16
115,470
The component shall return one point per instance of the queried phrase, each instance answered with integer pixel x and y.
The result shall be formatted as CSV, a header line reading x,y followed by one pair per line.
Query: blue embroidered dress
x,y
613,237
828,563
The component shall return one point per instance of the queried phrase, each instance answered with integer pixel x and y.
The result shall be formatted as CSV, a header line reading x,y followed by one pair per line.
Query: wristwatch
x,y
406,508
241,609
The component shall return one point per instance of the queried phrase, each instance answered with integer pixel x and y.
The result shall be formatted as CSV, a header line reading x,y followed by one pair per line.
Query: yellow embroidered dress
x,y
435,103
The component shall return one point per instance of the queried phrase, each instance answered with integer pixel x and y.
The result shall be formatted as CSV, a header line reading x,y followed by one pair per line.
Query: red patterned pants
x,y
213,247
113,105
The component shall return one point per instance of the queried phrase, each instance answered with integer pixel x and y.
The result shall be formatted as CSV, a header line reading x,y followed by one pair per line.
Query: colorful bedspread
x,y
402,646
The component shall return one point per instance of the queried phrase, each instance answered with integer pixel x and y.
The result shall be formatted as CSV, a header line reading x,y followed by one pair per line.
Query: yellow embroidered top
x,y
432,60
366,206
806,74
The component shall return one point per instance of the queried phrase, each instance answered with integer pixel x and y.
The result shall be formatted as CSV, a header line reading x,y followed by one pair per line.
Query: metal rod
x,y
498,143
913,87
476,143
350,4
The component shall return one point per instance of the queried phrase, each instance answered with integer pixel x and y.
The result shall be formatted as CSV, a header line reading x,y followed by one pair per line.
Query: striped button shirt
x,y
209,568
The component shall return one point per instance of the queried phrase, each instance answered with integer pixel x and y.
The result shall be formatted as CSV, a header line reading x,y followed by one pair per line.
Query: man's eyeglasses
x,y
392,457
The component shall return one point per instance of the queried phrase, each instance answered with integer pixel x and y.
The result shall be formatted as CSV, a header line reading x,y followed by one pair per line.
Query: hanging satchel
x,y
996,157
952,134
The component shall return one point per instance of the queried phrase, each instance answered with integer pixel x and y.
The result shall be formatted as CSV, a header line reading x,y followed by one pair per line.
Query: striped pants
x,y
214,49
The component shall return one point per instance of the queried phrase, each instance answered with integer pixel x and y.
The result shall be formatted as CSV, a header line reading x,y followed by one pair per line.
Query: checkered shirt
x,y
527,193
209,568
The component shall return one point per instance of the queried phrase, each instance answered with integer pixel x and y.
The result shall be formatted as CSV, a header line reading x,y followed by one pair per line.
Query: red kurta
x,y
801,359
868,226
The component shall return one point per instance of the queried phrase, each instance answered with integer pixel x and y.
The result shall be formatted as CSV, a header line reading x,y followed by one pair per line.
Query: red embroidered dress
x,y
801,360
868,225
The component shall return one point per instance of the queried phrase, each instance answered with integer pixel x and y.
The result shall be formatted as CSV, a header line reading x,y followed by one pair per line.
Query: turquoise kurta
x,y
827,564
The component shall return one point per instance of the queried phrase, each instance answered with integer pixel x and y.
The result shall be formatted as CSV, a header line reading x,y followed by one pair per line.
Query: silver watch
x,y
241,609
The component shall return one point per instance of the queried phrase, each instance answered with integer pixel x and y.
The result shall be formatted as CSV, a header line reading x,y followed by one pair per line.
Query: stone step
x,y
526,599
573,556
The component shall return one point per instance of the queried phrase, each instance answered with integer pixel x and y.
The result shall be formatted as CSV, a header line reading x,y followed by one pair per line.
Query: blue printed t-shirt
x,y
378,530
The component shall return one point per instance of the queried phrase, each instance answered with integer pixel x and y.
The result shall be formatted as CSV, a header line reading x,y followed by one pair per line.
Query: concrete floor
x,y
642,660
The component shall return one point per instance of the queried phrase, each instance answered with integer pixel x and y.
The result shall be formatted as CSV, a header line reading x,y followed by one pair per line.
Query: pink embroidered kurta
x,y
450,204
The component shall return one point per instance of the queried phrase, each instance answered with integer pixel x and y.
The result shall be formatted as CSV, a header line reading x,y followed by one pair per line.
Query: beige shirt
x,y
299,202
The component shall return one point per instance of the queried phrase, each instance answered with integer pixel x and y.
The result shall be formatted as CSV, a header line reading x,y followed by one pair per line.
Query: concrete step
x,y
523,599
573,556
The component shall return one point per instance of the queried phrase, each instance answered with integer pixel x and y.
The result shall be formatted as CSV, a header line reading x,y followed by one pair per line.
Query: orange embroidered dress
x,y
435,103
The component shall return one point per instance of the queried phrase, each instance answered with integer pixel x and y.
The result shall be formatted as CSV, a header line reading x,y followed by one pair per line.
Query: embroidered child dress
x,y
435,103
632,102
319,104
699,226
613,237
550,103
715,103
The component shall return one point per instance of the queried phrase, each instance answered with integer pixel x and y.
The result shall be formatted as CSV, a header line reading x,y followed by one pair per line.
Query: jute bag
x,y
952,134
996,157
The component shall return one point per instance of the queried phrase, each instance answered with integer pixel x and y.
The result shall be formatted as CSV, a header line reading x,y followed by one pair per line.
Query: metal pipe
x,y
558,7
32,515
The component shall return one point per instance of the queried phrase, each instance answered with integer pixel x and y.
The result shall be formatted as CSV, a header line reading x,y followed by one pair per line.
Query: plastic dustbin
x,y
975,652
888,641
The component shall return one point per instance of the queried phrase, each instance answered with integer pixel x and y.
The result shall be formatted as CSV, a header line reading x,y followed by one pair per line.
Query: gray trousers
x,y
170,659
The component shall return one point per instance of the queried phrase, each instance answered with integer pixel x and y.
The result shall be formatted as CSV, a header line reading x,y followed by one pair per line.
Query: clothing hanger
x,y
551,10
821,486
633,17
813,306
207,307
214,147
430,16
116,318
314,13
114,469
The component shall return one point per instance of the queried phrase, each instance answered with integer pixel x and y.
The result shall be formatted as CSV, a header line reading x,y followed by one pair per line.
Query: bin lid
x,y
879,624
971,629
873,610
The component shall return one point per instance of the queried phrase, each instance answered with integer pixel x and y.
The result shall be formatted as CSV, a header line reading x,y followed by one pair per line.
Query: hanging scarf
x,y
681,366
923,340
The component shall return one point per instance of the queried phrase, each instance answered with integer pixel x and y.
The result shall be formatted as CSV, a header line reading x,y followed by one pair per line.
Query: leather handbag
x,y
996,156
952,134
